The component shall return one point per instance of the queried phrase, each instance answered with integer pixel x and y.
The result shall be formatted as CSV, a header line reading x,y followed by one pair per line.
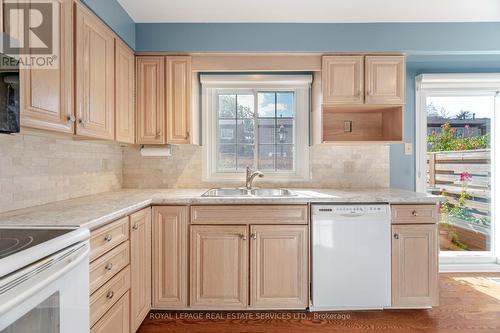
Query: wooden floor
x,y
469,303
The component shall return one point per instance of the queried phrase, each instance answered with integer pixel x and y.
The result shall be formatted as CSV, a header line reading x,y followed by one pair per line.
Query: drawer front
x,y
249,214
104,298
104,239
116,320
410,214
105,267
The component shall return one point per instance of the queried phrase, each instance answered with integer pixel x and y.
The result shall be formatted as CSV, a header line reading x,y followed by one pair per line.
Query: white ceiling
x,y
312,10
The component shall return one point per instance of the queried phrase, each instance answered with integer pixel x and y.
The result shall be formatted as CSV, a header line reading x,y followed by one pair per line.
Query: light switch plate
x,y
408,148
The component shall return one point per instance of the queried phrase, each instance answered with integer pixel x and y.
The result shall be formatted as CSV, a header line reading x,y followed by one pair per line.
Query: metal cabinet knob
x,y
414,213
243,236
108,238
254,236
135,227
71,118
109,266
110,295
396,236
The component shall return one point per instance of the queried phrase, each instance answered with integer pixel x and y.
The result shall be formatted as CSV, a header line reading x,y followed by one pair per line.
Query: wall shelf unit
x,y
362,124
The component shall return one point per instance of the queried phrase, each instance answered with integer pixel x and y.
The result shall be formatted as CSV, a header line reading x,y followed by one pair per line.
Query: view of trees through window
x,y
459,167
256,130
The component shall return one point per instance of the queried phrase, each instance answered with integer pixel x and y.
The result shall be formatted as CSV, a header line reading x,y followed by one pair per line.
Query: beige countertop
x,y
97,210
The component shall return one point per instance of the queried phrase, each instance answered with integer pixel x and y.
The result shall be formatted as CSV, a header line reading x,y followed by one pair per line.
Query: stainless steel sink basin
x,y
226,192
272,192
242,192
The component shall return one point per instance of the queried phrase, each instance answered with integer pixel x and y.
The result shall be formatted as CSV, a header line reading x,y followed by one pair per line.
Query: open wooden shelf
x,y
370,123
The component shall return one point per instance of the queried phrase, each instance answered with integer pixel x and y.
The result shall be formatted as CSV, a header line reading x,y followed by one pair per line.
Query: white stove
x,y
44,279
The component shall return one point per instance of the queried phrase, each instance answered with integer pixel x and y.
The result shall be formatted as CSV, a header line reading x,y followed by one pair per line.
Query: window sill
x,y
240,178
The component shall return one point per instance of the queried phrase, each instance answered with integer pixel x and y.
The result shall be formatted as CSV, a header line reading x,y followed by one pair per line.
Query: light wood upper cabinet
x,y
414,265
385,79
124,93
46,95
140,267
116,320
343,79
170,257
150,100
94,82
178,78
219,267
279,266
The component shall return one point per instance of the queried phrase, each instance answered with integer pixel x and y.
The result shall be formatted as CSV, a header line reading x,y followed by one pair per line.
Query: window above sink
x,y
260,121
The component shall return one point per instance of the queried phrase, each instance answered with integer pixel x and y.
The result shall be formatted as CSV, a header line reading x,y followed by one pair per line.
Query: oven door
x,y
50,296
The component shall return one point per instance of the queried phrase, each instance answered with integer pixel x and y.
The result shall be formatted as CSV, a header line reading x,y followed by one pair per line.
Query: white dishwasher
x,y
351,257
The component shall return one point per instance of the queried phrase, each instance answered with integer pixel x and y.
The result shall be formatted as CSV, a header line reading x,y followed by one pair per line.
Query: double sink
x,y
243,192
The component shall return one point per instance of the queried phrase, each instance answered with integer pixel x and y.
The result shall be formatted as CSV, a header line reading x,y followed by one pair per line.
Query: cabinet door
x,y
219,267
95,86
178,99
116,320
414,265
125,93
170,257
342,78
140,267
151,100
279,266
46,94
385,79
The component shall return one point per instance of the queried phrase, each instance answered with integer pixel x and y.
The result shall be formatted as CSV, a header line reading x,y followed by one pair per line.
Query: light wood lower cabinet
x,y
278,266
219,267
116,320
170,257
414,265
271,260
140,267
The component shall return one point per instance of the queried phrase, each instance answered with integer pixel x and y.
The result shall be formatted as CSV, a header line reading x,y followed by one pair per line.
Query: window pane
x,y
246,130
267,103
284,105
227,131
227,106
266,157
284,157
246,106
284,132
266,130
245,156
226,159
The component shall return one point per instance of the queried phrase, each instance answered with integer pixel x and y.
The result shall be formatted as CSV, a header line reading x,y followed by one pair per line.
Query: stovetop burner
x,y
16,240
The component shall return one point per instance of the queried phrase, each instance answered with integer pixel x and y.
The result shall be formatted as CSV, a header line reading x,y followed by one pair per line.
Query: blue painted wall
x,y
111,12
412,38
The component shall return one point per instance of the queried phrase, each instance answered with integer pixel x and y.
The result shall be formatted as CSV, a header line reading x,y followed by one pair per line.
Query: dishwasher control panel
x,y
354,210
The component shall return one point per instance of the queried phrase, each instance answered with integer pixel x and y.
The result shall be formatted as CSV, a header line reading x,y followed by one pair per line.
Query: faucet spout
x,y
251,174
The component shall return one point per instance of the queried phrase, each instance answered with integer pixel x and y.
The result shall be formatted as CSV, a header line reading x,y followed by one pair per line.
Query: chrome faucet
x,y
251,174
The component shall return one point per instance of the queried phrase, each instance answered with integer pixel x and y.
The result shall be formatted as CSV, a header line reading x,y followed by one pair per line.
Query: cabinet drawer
x,y
410,214
104,239
104,298
104,268
249,214
116,320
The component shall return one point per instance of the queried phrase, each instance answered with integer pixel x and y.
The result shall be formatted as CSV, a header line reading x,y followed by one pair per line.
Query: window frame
x,y
215,84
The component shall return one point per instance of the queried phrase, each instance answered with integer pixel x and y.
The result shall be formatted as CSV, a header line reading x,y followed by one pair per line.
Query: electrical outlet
x,y
408,148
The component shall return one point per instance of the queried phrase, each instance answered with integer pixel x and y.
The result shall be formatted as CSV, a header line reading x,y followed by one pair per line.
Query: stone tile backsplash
x,y
350,166
35,170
